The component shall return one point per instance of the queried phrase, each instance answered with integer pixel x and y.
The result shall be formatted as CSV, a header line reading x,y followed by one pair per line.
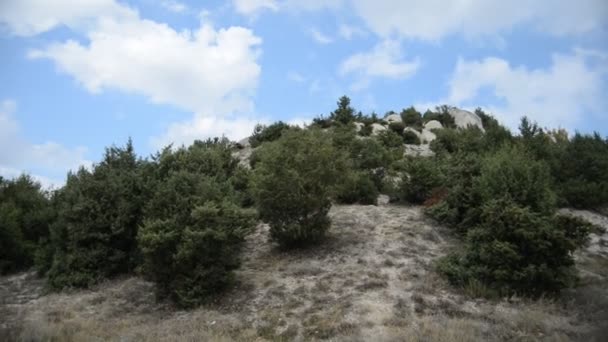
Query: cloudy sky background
x,y
77,76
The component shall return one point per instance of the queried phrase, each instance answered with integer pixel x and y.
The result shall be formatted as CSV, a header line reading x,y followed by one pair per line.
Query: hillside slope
x,y
373,279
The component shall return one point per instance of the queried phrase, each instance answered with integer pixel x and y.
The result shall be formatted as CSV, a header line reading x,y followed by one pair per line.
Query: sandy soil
x,y
372,280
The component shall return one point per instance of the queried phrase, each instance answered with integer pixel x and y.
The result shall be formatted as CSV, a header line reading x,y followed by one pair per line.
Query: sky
x,y
78,76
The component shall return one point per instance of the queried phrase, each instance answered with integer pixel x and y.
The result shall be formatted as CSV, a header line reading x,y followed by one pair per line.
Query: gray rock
x,y
464,118
410,129
393,118
243,143
359,126
377,128
418,151
427,136
433,124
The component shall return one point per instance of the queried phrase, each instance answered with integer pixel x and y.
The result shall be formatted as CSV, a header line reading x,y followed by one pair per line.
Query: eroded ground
x,y
373,280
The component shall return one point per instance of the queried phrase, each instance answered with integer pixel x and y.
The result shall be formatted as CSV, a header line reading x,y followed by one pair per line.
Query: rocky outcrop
x,y
464,118
393,118
426,136
377,128
418,151
359,126
410,129
433,124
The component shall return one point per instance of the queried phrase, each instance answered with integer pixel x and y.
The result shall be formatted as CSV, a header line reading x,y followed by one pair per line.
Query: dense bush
x,y
513,242
357,187
292,181
422,177
25,214
396,127
263,133
192,253
411,138
582,172
99,212
194,225
516,250
411,118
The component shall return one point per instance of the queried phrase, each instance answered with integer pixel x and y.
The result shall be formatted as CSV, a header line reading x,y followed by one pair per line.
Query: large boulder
x,y
410,129
377,128
464,118
244,143
359,126
433,124
393,118
426,136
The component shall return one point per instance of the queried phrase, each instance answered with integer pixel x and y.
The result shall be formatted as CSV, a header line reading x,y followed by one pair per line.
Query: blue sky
x,y
77,76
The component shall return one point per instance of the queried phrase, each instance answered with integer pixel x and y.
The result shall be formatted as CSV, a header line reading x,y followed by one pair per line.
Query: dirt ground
x,y
372,280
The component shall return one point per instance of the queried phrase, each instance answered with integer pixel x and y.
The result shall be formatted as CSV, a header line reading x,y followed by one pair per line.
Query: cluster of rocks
x,y
462,119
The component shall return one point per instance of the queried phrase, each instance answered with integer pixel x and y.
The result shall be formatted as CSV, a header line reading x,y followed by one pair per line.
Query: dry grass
x,y
373,280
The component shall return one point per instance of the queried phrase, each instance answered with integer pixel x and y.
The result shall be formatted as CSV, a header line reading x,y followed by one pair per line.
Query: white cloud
x,y
202,127
320,37
561,95
385,60
174,6
435,19
349,32
205,70
254,7
210,72
17,155
31,17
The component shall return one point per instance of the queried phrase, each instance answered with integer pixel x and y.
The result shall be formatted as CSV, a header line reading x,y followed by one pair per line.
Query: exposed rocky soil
x,y
373,280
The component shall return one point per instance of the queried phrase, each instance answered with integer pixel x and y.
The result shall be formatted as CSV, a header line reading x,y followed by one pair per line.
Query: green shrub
x,y
396,127
191,254
263,133
410,138
344,114
422,176
25,216
369,154
512,173
99,212
461,205
514,250
442,115
411,118
582,172
357,187
292,181
366,130
390,139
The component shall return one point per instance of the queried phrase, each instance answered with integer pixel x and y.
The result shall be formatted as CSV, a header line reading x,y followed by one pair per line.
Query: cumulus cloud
x,y
205,70
560,95
254,7
385,60
435,19
17,155
320,37
31,17
211,72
